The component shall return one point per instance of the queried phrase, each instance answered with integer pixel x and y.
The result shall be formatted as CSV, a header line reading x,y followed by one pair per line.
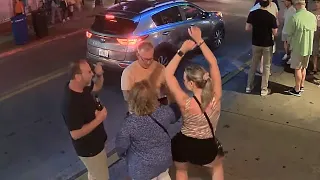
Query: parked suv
x,y
116,32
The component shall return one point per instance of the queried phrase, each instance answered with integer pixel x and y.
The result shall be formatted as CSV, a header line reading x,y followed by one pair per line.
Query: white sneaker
x,y
285,57
248,90
289,61
265,92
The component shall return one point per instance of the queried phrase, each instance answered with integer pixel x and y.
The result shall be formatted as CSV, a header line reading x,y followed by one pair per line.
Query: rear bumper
x,y
110,63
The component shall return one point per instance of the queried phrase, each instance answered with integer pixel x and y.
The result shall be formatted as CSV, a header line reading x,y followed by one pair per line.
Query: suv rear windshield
x,y
116,26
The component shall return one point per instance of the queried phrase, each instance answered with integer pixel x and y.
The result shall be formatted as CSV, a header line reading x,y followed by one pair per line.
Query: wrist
x,y
183,50
200,42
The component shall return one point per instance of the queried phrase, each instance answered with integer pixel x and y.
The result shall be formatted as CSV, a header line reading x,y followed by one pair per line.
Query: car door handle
x,y
166,33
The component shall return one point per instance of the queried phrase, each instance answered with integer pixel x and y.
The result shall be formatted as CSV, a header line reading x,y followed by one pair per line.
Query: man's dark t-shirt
x,y
262,24
78,110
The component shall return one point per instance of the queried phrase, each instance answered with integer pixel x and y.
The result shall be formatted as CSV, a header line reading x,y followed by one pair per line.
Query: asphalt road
x,y
33,138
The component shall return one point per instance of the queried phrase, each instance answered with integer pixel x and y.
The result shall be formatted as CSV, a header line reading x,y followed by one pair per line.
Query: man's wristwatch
x,y
180,53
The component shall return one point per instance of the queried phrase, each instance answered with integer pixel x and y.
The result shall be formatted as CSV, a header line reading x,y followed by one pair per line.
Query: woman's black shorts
x,y
192,150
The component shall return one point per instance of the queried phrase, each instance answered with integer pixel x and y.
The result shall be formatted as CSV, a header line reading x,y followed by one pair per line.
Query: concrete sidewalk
x,y
80,22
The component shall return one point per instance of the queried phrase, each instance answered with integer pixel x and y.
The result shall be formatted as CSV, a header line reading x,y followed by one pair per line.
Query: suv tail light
x,y
109,16
88,34
131,41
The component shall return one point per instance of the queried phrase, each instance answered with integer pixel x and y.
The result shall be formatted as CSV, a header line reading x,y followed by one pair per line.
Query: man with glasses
x,y
144,68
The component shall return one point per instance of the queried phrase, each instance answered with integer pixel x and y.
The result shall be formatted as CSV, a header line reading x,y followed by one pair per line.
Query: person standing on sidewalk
x,y
55,9
273,8
144,140
288,13
300,29
18,8
145,68
316,41
196,143
71,4
65,10
85,120
264,26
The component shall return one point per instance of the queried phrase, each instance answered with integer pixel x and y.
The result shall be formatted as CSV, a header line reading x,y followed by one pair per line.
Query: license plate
x,y
104,53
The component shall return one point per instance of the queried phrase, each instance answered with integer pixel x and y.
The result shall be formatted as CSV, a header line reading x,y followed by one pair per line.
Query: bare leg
x,y
217,169
298,78
304,73
181,171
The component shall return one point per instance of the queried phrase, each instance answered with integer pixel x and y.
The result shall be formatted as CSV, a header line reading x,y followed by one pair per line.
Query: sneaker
x,y
289,61
294,92
302,89
265,92
248,90
285,57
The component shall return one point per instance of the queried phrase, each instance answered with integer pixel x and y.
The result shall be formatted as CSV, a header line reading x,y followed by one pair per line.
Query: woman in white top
x,y
288,13
273,9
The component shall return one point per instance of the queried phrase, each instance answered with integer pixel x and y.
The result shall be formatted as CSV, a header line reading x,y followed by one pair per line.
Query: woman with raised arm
x,y
196,142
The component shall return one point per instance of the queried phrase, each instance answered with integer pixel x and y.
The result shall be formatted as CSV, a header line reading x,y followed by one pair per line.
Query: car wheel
x,y
217,38
164,53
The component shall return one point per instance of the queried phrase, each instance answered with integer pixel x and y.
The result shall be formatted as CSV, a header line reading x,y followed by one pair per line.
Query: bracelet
x,y
201,43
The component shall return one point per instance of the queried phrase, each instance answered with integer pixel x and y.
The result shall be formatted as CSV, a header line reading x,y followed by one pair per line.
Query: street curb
x,y
14,51
232,74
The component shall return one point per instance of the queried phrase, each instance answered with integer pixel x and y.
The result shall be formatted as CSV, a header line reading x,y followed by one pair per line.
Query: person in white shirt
x,y
288,13
274,10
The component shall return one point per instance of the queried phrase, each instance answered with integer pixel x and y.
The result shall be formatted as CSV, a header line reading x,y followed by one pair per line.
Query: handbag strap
x,y
206,115
164,129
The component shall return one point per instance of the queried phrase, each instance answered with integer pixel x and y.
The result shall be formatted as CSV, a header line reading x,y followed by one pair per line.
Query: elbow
x,y
121,146
218,96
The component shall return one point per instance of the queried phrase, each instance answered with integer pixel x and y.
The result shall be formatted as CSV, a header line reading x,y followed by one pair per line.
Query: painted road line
x,y
27,47
33,83
232,74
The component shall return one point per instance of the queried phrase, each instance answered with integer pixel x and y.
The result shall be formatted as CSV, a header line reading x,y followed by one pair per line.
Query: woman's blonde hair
x,y
202,80
142,99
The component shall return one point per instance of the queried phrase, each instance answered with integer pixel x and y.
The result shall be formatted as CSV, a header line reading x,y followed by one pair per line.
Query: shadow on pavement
x,y
312,79
275,88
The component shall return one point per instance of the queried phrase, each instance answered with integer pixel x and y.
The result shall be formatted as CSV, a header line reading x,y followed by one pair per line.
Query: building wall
x,y
6,8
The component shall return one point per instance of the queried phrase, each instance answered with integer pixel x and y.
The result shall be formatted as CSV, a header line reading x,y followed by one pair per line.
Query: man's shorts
x,y
284,37
298,61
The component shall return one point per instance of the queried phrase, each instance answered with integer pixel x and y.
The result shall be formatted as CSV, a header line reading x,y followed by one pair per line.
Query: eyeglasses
x,y
145,59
